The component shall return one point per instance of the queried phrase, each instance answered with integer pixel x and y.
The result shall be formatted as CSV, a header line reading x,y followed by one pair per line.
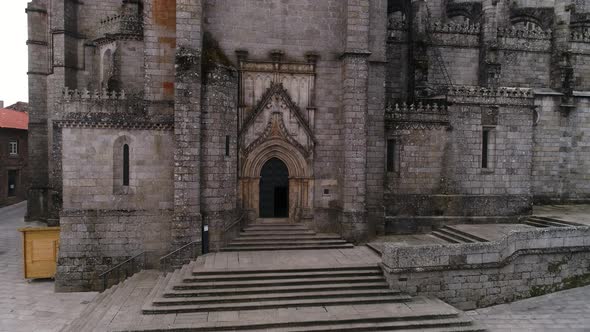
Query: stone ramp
x,y
274,235
289,291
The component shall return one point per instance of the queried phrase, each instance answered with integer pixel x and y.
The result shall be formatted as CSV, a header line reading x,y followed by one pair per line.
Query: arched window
x,y
123,183
126,165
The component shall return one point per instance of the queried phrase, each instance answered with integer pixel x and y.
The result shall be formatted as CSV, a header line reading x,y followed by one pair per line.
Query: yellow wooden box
x,y
40,249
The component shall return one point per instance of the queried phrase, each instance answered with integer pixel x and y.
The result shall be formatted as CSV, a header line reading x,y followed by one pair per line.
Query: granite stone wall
x,y
220,156
468,276
439,160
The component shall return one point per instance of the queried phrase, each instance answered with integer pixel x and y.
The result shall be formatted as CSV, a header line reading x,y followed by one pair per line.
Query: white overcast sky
x,y
13,54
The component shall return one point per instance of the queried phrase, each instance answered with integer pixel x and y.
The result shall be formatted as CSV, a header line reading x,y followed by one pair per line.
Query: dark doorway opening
x,y
274,189
12,177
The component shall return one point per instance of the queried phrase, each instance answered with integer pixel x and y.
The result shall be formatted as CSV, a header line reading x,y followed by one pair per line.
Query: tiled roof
x,y
13,119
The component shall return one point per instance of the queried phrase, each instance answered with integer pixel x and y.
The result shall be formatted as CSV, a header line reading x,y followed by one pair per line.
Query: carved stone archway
x,y
277,130
300,179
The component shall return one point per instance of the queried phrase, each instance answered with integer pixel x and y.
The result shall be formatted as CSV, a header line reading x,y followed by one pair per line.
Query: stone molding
x,y
477,91
493,96
416,116
114,124
110,213
85,94
454,28
514,32
580,35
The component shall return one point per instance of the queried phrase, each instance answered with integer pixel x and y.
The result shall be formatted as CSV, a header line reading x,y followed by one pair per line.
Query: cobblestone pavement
x,y
29,306
562,311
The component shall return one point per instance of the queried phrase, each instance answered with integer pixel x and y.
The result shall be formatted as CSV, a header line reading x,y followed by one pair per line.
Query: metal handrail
x,y
131,262
235,222
166,261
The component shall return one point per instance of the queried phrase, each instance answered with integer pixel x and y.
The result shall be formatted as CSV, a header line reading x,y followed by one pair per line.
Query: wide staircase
x,y
276,235
318,289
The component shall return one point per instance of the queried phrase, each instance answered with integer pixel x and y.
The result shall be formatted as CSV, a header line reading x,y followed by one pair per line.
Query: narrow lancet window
x,y
392,158
485,148
125,165
227,145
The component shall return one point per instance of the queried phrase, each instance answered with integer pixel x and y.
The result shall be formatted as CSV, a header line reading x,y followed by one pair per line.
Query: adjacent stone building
x,y
14,179
153,119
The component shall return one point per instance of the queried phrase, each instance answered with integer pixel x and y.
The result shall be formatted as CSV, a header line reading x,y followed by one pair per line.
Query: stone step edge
x,y
404,325
285,242
167,301
473,237
459,237
272,290
554,222
276,276
232,326
82,319
124,290
567,222
269,269
445,237
288,237
300,247
279,282
155,310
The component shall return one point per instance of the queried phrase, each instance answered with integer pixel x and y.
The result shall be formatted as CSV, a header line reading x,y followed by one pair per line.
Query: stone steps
x,y
199,290
453,235
544,222
265,236
325,298
289,237
105,306
272,275
273,290
288,247
277,296
277,233
282,282
261,305
448,320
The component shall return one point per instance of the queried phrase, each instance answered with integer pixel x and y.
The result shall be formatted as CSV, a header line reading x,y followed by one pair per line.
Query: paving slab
x,y
562,311
29,305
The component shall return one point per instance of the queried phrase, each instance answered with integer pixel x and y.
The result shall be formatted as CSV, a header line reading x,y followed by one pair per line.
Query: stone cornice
x,y
114,125
491,96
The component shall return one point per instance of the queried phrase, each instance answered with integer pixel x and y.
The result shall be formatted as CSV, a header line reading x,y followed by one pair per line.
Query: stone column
x,y
355,72
187,123
490,68
38,45
376,117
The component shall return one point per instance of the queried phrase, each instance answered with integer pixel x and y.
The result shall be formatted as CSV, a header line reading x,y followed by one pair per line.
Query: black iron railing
x,y
123,270
238,221
180,256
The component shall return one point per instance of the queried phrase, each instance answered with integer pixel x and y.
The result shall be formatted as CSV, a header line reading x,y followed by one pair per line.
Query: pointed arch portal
x,y
274,189
276,154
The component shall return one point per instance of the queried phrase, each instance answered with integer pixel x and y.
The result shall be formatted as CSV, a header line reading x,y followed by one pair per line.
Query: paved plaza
x,y
562,311
29,306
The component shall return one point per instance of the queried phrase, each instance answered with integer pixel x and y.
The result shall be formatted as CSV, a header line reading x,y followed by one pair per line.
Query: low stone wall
x,y
523,264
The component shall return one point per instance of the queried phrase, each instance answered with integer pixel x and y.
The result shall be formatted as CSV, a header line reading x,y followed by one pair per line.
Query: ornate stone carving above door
x,y
274,125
